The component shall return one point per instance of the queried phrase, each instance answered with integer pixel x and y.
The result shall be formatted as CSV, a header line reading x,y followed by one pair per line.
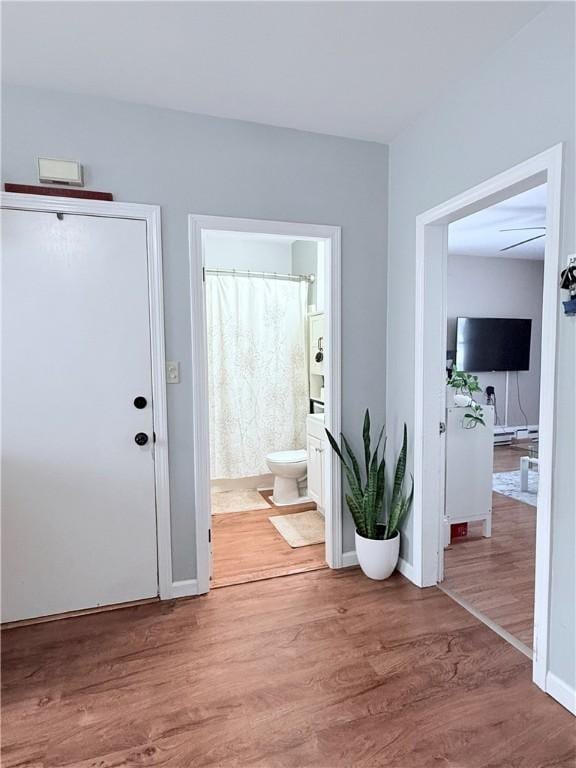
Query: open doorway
x,y
266,392
265,320
432,242
494,291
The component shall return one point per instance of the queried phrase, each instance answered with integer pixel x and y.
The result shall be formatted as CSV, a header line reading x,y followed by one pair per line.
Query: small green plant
x,y
474,416
376,513
467,384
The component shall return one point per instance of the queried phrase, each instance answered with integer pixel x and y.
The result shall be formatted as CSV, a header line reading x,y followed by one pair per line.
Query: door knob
x,y
141,438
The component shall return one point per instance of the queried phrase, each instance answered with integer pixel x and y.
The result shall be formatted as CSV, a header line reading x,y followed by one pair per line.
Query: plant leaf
x,y
400,470
355,487
397,499
379,439
335,446
357,515
366,438
381,484
370,497
406,504
353,459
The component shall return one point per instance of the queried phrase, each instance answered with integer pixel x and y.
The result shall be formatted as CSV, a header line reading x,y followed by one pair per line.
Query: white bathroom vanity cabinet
x,y
315,445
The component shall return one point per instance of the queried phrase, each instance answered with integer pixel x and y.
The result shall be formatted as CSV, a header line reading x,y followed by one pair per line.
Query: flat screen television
x,y
493,344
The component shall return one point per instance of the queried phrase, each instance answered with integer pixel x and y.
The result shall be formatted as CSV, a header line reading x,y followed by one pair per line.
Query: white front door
x,y
78,496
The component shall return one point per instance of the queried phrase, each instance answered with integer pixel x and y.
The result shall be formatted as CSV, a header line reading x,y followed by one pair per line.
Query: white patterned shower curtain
x,y
258,378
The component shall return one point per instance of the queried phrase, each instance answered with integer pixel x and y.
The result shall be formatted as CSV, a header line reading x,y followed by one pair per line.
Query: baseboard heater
x,y
505,435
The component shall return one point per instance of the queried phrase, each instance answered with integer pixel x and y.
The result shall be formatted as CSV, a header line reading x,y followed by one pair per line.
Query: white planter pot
x,y
462,401
377,558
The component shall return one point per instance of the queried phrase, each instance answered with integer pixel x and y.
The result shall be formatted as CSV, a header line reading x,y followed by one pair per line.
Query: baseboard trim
x,y
185,588
561,692
349,558
407,570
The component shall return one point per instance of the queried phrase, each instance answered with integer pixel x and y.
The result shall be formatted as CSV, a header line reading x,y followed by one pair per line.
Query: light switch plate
x,y
172,373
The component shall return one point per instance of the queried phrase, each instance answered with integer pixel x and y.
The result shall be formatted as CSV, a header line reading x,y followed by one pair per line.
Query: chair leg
x,y
524,465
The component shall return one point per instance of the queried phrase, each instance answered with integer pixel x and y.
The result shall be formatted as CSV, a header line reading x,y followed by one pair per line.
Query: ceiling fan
x,y
522,242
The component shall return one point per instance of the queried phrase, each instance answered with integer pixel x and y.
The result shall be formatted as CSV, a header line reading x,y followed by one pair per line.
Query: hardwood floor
x,y
507,457
323,669
247,547
496,575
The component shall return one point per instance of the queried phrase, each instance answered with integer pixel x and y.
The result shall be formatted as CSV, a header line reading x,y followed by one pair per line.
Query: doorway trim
x,y
197,224
431,280
150,214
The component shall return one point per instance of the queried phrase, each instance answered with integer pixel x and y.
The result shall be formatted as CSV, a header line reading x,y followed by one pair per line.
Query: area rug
x,y
301,528
508,484
237,501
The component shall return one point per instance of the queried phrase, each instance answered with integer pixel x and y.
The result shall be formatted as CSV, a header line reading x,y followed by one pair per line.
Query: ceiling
x,y
362,70
480,235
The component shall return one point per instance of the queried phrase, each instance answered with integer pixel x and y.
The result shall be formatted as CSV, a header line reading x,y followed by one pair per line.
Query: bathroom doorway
x,y
266,385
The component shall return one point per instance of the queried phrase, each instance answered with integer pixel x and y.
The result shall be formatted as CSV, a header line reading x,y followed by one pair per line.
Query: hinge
x,y
209,535
442,428
203,274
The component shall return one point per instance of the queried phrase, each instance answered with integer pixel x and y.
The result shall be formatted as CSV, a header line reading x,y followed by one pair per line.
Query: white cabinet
x,y
316,329
315,470
315,446
469,467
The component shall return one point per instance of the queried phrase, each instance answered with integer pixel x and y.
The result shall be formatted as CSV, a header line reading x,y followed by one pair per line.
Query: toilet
x,y
289,469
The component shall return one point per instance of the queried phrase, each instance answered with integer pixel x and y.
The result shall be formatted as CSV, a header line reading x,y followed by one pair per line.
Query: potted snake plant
x,y
377,513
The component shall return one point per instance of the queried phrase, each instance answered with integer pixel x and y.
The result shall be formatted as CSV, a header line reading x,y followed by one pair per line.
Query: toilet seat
x,y
288,457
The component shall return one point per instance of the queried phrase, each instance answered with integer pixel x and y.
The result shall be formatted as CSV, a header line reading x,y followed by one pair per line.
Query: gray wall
x,y
190,163
519,103
256,255
499,287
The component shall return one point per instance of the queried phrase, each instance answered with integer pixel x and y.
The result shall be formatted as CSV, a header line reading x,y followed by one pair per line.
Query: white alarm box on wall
x,y
469,467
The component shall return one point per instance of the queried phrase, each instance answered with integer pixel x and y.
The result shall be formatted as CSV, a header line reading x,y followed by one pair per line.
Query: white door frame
x,y
430,331
197,224
151,215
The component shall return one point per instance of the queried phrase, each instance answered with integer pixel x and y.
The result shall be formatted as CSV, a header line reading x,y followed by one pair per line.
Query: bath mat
x,y
237,501
508,484
300,529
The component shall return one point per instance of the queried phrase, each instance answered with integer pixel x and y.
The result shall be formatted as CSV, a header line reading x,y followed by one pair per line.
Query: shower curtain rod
x,y
251,273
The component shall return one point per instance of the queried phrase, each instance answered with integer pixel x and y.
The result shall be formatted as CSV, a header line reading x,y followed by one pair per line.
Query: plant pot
x,y
462,401
378,557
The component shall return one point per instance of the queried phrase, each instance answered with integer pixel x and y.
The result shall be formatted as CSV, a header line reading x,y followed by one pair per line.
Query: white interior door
x,y
78,497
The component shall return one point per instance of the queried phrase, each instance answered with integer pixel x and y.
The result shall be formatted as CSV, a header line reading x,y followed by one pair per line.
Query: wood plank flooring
x,y
496,575
247,547
319,670
507,457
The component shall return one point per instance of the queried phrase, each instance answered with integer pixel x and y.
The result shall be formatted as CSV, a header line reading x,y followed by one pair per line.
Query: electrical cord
x,y
496,417
519,401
